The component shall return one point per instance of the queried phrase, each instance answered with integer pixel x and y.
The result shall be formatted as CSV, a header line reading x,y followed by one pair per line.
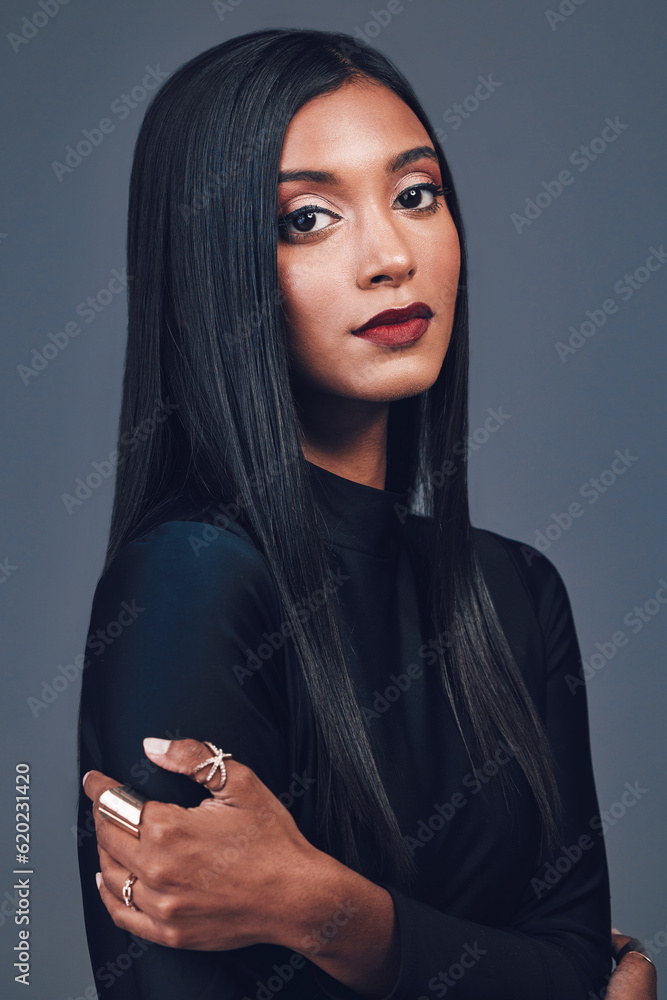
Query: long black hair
x,y
207,335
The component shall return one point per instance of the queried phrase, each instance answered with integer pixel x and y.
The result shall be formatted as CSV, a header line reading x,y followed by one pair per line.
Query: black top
x,y
190,646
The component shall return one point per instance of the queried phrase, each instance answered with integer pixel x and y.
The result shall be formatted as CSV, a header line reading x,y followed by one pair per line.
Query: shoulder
x,y
515,570
521,563
193,565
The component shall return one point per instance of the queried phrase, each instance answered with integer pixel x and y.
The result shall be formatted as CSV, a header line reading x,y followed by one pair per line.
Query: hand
x,y
211,878
634,978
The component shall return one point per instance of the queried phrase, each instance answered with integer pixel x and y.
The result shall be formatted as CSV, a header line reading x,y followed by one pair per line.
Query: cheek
x,y
312,297
445,254
443,266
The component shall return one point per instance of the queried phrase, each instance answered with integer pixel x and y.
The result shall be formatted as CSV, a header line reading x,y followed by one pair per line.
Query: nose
x,y
385,254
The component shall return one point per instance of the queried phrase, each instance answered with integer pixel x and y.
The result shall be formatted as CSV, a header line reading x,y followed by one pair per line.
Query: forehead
x,y
361,122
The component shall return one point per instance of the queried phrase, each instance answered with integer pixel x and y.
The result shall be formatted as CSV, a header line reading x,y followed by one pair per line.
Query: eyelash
x,y
290,237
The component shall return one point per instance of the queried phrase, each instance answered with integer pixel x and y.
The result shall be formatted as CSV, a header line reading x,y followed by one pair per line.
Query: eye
x,y
414,193
299,225
304,220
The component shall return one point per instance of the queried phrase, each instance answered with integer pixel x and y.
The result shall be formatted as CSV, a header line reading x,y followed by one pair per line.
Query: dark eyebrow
x,y
325,177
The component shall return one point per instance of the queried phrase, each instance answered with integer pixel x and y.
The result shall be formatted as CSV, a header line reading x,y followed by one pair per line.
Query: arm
x,y
557,946
167,628
187,620
634,977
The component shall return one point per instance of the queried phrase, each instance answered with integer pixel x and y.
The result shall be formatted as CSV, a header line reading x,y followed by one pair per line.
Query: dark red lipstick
x,y
397,326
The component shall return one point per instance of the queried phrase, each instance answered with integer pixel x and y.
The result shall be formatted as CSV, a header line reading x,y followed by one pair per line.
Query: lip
x,y
397,326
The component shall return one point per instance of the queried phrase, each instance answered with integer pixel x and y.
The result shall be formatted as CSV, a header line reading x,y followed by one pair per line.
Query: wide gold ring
x,y
122,805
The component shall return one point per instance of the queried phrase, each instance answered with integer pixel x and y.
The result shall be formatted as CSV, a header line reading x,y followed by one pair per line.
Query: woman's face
x,y
371,239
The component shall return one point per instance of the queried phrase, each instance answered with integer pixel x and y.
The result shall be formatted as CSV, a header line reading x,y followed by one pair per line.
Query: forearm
x,y
344,924
421,949
633,979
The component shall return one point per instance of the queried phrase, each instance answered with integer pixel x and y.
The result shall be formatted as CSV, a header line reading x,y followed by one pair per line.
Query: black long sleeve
x,y
194,614
202,655
556,945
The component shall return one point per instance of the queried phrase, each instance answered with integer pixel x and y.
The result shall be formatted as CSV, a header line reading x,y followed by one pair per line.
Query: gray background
x,y
60,241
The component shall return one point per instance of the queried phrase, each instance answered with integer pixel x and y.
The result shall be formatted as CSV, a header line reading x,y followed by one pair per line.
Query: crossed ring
x,y
123,805
217,760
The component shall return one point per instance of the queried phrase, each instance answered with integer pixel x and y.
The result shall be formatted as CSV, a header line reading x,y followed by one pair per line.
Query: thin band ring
x,y
127,891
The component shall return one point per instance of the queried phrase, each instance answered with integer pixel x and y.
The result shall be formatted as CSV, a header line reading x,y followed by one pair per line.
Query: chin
x,y
388,390
417,379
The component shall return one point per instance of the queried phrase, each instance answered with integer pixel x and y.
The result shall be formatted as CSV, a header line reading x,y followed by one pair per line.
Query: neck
x,y
345,436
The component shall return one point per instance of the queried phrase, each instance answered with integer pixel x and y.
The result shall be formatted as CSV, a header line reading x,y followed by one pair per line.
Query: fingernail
x,y
98,878
156,746
83,780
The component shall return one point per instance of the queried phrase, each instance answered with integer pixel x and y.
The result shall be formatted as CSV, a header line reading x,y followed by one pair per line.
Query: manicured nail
x,y
156,746
83,780
98,878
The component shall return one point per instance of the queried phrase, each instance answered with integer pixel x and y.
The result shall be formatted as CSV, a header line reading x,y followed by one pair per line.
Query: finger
x,y
115,877
94,783
618,941
134,921
192,758
160,823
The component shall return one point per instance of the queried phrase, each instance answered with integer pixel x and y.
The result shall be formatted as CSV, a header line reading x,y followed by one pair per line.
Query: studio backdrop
x,y
552,119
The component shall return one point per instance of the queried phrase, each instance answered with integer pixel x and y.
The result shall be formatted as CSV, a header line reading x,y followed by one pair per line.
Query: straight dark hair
x,y
208,335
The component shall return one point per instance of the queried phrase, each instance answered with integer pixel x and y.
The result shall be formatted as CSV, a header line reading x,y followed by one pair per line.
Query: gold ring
x,y
217,760
127,891
632,951
122,805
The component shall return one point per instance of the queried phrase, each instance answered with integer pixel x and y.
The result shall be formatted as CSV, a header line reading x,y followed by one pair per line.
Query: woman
x,y
410,803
